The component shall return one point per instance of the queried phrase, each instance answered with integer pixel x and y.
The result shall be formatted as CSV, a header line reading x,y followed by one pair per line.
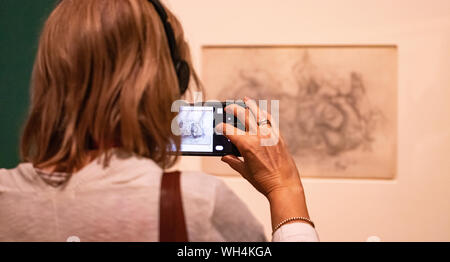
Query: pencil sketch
x,y
337,113
195,127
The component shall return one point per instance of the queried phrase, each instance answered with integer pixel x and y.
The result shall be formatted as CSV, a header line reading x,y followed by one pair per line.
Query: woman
x,y
95,142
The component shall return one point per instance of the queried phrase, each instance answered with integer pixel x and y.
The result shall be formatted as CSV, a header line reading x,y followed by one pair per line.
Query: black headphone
x,y
181,66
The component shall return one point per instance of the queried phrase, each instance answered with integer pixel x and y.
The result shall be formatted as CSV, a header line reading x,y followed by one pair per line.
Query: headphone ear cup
x,y
183,74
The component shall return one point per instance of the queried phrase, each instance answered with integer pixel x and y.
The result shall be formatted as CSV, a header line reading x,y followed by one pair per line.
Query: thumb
x,y
235,163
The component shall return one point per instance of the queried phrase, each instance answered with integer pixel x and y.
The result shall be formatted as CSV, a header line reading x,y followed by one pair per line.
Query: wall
x,y
413,206
20,23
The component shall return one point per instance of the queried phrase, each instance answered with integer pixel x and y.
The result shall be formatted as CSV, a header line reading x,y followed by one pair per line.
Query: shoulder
x,y
210,202
21,178
200,187
198,197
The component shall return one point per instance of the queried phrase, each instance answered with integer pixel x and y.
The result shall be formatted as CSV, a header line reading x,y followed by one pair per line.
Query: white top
x,y
295,232
120,202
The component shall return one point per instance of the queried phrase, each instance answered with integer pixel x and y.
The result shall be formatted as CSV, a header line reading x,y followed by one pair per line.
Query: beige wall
x,y
415,205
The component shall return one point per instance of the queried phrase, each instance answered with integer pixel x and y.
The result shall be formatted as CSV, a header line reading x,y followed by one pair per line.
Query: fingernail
x,y
225,157
219,128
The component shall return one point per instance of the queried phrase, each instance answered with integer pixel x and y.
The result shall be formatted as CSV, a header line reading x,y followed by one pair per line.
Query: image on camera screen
x,y
197,128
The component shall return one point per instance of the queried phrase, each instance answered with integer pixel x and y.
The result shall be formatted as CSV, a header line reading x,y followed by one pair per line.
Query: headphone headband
x,y
182,68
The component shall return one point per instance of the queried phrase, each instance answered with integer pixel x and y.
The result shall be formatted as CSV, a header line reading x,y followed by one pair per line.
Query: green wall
x,y
20,24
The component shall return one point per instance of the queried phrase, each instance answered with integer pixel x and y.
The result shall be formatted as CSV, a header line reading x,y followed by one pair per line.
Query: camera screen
x,y
196,125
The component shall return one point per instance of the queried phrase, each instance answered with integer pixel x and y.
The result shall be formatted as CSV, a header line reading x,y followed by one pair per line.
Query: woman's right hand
x,y
269,168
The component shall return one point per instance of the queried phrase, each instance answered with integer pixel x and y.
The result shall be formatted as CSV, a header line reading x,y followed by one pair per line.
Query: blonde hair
x,y
103,77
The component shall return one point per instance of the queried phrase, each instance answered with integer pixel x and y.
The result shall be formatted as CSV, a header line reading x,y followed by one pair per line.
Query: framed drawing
x,y
338,104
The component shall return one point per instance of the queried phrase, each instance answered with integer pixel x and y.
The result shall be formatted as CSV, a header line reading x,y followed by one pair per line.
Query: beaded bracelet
x,y
292,219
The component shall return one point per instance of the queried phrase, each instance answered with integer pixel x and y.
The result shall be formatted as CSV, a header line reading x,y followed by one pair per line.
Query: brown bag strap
x,y
172,225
